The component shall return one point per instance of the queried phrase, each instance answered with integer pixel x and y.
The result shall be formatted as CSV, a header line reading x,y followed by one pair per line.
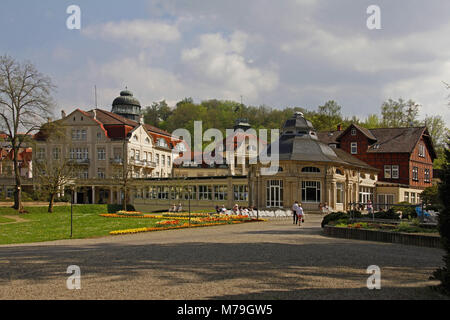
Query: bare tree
x,y
25,103
53,176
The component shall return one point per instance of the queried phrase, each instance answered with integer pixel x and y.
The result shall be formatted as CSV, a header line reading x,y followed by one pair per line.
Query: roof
x,y
385,140
110,121
300,142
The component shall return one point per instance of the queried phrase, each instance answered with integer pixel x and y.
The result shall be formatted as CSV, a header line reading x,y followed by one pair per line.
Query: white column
x,y
93,194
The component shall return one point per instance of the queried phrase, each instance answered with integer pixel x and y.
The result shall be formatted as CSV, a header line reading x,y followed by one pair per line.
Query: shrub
x,y
334,217
390,214
407,211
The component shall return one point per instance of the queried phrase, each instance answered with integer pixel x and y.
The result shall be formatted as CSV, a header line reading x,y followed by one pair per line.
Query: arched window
x,y
339,171
311,170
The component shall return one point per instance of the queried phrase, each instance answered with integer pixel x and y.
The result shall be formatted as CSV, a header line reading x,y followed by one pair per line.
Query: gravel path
x,y
272,260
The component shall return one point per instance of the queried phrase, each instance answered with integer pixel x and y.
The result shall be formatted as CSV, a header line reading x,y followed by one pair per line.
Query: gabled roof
x,y
386,140
363,130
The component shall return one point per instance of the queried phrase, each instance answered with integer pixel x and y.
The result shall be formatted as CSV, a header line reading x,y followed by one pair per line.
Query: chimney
x,y
339,127
141,119
63,114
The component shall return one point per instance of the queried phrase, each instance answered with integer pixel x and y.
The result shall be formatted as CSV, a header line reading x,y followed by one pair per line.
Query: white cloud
x,y
222,63
141,33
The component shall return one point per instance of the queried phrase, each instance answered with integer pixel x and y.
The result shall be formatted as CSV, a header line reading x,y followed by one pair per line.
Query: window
x,y
339,171
421,150
79,134
426,174
101,154
339,193
406,197
135,137
157,159
163,193
311,170
205,193
101,173
354,148
79,153
99,136
353,132
190,191
413,198
240,192
162,143
365,194
147,140
274,193
56,153
387,172
384,201
311,191
395,172
220,193
138,155
415,173
168,161
163,160
41,153
83,173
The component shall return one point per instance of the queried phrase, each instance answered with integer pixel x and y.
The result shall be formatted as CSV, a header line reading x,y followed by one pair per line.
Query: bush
x,y
334,217
407,211
390,214
354,213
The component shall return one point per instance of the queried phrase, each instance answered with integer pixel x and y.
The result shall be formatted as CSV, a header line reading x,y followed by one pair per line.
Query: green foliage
x,y
443,274
431,199
408,212
390,214
334,217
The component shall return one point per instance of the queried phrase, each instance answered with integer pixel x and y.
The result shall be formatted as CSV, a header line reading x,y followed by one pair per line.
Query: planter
x,y
429,241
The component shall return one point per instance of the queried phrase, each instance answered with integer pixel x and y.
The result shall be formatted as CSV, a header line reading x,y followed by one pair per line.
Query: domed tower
x,y
127,106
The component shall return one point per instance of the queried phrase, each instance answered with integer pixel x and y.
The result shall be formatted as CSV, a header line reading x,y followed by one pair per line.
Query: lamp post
x,y
71,211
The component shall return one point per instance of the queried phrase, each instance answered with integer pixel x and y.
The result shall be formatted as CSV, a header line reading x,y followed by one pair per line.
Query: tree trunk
x,y
50,204
18,191
125,199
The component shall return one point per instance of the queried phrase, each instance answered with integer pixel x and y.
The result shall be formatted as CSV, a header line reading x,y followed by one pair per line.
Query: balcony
x,y
82,162
143,163
116,161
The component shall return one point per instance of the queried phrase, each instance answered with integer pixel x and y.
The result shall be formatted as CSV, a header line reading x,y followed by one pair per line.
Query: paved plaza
x,y
271,260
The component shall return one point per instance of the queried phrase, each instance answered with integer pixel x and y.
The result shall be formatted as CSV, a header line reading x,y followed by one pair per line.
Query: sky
x,y
286,53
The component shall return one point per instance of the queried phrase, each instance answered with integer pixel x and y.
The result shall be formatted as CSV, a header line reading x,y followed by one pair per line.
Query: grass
x,y
5,220
43,226
87,223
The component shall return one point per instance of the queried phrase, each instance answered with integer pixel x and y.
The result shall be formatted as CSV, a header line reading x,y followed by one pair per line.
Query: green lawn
x,y
43,226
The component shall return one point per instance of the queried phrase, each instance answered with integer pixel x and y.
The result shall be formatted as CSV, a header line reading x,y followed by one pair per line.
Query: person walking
x,y
294,212
300,214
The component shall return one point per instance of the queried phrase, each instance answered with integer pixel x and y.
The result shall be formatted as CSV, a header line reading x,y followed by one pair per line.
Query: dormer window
x,y
162,143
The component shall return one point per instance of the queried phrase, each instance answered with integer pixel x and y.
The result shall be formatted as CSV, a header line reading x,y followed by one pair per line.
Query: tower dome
x,y
127,106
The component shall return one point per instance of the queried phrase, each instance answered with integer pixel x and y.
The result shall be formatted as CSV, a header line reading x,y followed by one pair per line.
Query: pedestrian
x,y
369,207
294,212
300,214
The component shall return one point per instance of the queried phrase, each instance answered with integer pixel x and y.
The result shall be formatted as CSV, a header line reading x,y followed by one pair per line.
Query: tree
x,y
443,274
400,113
25,103
328,116
52,177
436,128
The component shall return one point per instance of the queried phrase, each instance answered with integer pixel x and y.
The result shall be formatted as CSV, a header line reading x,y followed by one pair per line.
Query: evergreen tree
x,y
443,274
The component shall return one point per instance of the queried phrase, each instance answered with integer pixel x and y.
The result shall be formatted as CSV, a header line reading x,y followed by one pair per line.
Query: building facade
x,y
404,157
104,147
310,172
